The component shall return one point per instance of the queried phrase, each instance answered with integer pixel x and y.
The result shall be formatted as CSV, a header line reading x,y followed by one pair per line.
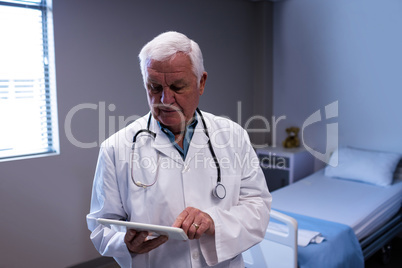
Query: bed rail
x,y
277,250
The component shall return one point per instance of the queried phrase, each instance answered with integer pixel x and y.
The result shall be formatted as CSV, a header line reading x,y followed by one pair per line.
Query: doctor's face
x,y
172,91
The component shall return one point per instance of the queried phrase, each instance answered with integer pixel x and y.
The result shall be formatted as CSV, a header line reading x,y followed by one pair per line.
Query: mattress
x,y
361,206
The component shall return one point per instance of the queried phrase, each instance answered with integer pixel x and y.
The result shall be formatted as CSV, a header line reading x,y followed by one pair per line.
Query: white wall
x,y
345,51
44,201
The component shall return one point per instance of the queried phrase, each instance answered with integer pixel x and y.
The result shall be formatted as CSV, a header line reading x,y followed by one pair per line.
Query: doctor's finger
x,y
184,220
179,220
130,234
200,231
195,231
206,224
151,244
134,239
195,218
187,223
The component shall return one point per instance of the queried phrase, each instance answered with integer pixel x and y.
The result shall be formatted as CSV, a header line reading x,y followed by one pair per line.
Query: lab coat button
x,y
186,168
196,255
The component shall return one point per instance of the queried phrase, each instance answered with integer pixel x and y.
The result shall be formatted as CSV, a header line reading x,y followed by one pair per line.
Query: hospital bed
x,y
370,212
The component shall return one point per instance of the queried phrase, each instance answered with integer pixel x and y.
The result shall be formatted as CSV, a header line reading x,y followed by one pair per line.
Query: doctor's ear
x,y
202,82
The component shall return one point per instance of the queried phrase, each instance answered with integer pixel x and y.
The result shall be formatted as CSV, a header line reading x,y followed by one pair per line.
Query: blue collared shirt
x,y
187,138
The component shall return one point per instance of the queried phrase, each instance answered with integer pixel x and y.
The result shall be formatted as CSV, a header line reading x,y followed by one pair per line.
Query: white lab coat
x,y
241,218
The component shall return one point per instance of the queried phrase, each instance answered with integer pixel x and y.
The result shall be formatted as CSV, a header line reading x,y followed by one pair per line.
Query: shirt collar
x,y
187,137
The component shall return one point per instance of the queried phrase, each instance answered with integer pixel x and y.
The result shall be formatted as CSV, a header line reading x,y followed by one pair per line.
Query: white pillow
x,y
364,166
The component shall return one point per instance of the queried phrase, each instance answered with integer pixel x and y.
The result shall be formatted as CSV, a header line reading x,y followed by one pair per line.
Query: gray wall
x,y
44,200
345,51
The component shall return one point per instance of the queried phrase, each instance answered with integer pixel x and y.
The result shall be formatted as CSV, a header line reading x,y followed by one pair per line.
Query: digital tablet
x,y
171,232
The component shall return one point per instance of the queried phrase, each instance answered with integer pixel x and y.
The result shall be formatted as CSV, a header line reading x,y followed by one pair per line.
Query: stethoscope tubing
x,y
218,168
219,191
153,134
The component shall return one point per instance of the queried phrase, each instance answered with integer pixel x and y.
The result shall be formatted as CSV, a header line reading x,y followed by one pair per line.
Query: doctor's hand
x,y
195,223
138,243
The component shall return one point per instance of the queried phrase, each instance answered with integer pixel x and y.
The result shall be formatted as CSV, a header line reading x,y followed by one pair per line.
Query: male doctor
x,y
186,168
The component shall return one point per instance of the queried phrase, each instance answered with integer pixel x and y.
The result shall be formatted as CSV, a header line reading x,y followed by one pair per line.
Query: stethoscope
x,y
219,190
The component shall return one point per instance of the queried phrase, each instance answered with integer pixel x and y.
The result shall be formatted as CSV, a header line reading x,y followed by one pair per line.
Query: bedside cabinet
x,y
282,166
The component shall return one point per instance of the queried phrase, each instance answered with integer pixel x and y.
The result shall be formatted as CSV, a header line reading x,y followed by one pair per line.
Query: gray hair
x,y
167,45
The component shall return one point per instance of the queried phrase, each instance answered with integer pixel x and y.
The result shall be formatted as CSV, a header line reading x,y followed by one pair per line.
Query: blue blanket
x,y
340,249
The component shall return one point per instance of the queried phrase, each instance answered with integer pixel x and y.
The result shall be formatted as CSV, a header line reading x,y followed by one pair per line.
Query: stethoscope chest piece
x,y
219,191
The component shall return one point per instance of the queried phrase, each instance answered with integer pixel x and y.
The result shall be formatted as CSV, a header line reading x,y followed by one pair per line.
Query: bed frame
x,y
382,236
279,250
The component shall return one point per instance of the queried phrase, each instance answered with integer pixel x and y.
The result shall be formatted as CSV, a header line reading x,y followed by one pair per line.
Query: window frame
x,y
50,111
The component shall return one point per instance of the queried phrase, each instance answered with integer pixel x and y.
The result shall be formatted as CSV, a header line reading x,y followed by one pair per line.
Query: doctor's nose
x,y
167,96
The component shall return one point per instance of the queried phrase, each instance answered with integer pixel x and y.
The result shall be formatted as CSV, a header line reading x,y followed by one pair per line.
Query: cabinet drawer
x,y
282,166
274,161
275,178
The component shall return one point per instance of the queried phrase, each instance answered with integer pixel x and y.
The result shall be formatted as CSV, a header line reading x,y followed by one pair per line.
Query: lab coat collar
x,y
163,145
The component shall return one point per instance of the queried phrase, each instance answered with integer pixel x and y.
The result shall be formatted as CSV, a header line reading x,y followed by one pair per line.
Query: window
x,y
28,108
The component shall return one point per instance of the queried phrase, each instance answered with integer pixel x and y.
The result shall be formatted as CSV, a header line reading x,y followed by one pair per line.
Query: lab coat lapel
x,y
198,142
163,144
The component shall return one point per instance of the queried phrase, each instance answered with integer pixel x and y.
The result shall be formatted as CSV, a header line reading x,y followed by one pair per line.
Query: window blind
x,y
28,112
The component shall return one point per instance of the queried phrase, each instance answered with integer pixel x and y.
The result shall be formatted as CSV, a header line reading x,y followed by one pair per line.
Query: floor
x,y
375,261
102,262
